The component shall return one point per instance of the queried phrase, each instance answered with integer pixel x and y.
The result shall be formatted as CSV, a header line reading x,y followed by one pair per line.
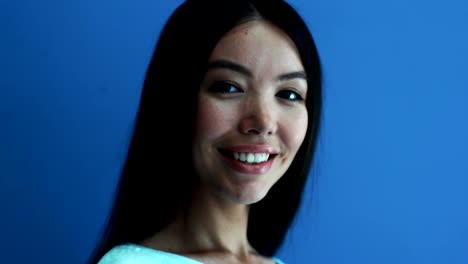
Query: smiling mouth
x,y
247,157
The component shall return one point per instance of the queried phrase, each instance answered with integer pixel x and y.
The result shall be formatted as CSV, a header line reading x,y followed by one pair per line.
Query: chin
x,y
247,197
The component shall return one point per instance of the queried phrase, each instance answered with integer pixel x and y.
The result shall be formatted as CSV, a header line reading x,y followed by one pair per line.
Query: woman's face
x,y
252,116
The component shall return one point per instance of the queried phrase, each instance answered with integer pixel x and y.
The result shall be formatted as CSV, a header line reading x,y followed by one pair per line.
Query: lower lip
x,y
249,168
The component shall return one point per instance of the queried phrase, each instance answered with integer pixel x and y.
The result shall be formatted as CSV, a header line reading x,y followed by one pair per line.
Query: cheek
x,y
212,120
295,129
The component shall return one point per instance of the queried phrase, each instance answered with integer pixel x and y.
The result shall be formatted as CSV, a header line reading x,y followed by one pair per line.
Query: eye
x,y
289,95
224,87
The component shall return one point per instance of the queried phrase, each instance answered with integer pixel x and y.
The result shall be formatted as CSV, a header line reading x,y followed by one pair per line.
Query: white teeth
x,y
242,157
251,157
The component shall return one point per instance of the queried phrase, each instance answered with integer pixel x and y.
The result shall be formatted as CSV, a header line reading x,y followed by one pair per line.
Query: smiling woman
x,y
251,120
250,75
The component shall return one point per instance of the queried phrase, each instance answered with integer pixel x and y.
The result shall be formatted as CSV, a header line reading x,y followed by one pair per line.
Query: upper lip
x,y
260,148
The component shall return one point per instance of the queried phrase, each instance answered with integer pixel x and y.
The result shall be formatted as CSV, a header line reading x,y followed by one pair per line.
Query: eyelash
x,y
220,87
297,97
224,87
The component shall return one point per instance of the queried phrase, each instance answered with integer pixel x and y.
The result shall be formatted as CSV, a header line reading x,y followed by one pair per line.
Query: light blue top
x,y
136,254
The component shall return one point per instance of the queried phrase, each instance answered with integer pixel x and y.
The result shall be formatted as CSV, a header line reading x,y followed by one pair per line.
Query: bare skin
x,y
210,236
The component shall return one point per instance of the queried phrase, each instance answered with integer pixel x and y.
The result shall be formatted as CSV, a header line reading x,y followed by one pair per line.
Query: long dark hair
x,y
158,176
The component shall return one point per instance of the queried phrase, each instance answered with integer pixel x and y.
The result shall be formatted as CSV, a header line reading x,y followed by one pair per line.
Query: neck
x,y
210,225
214,224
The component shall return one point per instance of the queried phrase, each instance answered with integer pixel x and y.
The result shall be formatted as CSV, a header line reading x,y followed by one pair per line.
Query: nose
x,y
258,118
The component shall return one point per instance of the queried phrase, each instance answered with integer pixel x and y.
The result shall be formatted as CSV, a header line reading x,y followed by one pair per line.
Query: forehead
x,y
259,44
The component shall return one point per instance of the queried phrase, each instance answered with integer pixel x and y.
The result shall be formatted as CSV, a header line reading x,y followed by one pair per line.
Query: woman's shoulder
x,y
278,261
132,253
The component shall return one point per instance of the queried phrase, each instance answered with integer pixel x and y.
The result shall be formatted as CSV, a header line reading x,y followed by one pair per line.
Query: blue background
x,y
391,171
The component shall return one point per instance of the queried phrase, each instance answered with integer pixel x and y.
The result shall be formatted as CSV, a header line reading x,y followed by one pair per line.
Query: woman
x,y
218,178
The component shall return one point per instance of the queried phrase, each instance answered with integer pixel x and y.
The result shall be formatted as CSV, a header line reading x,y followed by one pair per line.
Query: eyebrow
x,y
292,75
226,64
